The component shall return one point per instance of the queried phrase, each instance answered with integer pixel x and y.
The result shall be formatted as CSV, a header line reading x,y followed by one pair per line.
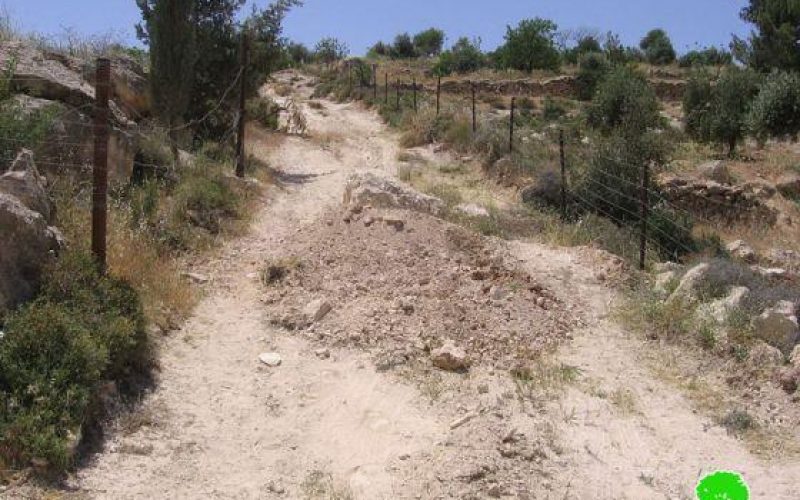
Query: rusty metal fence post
x,y
100,170
645,214
438,94
563,175
240,152
397,91
474,109
375,82
414,85
511,126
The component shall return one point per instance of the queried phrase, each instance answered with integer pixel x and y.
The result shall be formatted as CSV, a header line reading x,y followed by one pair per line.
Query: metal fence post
x,y
100,170
240,153
511,126
563,175
397,92
645,209
386,87
375,82
414,85
438,93
474,109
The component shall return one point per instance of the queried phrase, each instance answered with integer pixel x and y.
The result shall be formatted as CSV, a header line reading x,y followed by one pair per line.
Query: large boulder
x,y
27,244
716,171
23,181
778,325
720,310
369,189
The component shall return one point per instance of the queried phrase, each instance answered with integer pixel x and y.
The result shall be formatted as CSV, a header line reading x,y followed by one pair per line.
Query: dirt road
x,y
221,424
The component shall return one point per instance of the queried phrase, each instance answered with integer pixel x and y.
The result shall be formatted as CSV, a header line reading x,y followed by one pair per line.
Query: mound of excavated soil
x,y
402,283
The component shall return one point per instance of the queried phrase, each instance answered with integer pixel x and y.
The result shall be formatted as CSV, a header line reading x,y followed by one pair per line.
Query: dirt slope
x,y
222,425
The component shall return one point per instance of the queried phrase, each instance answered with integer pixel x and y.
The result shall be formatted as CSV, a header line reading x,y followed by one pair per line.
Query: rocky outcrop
x,y
713,200
716,171
27,242
367,189
70,144
23,181
778,325
740,250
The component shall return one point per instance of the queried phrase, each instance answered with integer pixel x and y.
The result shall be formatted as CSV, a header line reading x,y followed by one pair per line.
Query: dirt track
x,y
222,425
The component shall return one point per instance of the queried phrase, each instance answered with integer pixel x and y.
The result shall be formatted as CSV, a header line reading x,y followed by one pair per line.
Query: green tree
x,y
170,29
530,46
380,49
775,112
429,42
463,57
624,100
719,113
298,53
710,56
403,47
586,44
774,42
697,106
329,50
658,48
593,67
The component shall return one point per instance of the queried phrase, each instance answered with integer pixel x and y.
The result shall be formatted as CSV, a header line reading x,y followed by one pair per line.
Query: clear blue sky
x,y
362,22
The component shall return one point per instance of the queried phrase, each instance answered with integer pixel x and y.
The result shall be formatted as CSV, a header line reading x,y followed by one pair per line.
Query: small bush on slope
x,y
83,330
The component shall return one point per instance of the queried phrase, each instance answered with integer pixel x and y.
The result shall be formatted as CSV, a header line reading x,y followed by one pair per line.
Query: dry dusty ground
x,y
356,411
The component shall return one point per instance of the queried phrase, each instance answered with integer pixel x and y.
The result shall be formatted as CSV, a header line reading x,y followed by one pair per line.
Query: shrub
x,y
531,45
586,45
429,42
624,99
329,50
711,56
23,128
204,198
465,56
552,109
264,111
82,330
593,67
403,47
658,48
775,112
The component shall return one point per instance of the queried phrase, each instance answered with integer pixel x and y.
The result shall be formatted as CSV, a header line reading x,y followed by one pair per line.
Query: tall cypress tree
x,y
170,30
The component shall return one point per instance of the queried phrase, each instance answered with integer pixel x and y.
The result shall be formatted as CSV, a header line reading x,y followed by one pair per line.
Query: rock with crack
x,y
316,310
450,358
364,189
742,251
778,325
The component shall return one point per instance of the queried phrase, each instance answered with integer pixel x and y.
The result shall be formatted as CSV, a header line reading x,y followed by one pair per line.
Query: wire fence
x,y
633,200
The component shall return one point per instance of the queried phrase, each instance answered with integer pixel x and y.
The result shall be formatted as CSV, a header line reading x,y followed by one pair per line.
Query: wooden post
x,y
563,175
397,90
375,82
511,126
100,170
414,85
438,94
645,209
240,152
474,109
